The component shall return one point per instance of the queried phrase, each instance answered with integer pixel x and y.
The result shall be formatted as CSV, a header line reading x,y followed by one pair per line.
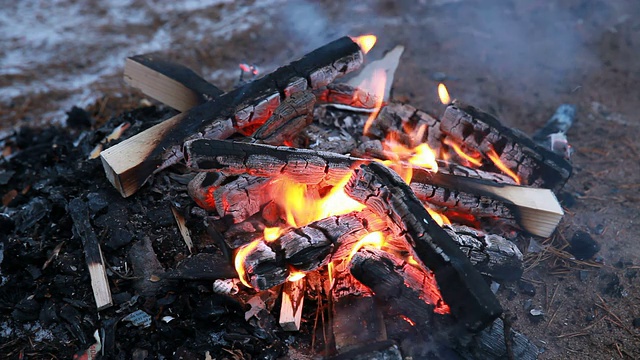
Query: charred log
x,y
293,115
533,164
462,287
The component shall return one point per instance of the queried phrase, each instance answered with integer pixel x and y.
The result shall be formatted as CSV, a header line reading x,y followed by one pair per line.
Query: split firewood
x,y
82,229
172,84
535,210
462,287
301,165
533,164
292,302
129,164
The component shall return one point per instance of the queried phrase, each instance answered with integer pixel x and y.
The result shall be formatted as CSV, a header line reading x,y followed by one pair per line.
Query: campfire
x,y
333,190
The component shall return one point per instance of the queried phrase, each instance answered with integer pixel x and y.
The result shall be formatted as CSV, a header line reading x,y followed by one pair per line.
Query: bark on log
x,y
490,254
534,164
462,287
129,164
301,165
346,95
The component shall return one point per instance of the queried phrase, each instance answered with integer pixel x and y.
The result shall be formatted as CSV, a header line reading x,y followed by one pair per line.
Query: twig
x,y
506,321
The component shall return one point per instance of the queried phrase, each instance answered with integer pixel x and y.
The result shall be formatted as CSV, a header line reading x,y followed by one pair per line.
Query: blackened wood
x,y
82,229
490,254
170,83
129,164
241,198
489,344
535,210
301,165
202,187
202,266
351,97
462,287
534,164
560,122
263,268
293,115
409,125
404,288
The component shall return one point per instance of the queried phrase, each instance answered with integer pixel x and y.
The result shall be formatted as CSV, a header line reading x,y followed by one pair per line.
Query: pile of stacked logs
x,y
432,275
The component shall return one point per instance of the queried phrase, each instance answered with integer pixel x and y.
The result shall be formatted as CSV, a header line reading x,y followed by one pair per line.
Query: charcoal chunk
x,y
583,246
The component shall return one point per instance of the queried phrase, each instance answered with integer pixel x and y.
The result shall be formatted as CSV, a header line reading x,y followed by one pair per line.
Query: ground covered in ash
x,y
516,59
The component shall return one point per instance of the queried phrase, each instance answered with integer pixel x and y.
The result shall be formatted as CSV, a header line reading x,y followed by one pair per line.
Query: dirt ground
x,y
516,59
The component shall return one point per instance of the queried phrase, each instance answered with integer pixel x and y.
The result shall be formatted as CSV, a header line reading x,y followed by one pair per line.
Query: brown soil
x,y
516,59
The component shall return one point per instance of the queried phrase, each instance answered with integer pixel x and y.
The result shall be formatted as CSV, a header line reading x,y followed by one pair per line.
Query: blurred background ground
x,y
516,59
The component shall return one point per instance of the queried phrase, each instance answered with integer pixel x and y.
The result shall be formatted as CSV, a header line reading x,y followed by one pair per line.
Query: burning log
x,y
170,83
293,115
410,125
306,248
346,96
533,164
301,165
234,198
82,229
535,210
129,164
462,287
405,289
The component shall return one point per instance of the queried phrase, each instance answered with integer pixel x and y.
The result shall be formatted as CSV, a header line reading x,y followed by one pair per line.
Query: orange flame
x,y
365,42
421,155
474,160
303,207
376,85
241,255
295,276
271,233
439,218
375,239
443,93
500,165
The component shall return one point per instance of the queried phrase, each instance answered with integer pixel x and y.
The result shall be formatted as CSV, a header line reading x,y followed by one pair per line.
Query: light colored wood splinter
x,y
291,308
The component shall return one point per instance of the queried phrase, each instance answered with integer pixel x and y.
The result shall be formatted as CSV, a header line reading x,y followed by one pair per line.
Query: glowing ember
x,y
271,233
303,206
295,276
412,261
474,160
241,255
375,86
375,239
408,320
365,42
330,272
443,93
440,219
500,165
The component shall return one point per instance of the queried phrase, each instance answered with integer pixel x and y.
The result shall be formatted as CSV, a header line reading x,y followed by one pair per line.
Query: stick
x,y
129,164
462,287
93,254
292,302
172,84
184,230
